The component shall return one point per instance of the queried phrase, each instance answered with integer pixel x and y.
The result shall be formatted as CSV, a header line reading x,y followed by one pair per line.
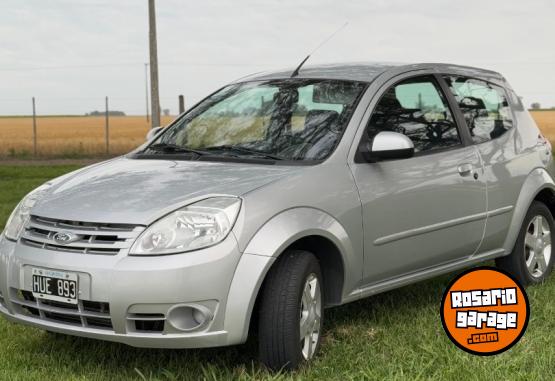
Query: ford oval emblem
x,y
64,238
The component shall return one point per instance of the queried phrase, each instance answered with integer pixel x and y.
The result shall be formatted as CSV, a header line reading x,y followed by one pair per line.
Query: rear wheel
x,y
531,260
291,311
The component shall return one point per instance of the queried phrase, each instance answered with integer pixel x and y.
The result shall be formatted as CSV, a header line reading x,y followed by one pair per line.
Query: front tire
x,y
291,311
531,260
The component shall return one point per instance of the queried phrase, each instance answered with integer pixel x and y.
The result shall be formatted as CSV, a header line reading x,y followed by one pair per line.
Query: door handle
x,y
465,169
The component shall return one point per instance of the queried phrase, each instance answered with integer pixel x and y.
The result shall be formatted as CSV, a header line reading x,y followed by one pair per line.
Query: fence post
x,y
181,104
107,129
34,128
146,91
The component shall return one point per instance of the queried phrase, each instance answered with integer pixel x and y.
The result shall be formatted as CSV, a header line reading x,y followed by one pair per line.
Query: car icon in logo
x,y
64,238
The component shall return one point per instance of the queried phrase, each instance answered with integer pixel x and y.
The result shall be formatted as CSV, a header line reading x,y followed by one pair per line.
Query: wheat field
x,y
84,136
546,122
72,136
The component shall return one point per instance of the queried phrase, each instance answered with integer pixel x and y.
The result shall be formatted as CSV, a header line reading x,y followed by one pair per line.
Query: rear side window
x,y
418,109
484,105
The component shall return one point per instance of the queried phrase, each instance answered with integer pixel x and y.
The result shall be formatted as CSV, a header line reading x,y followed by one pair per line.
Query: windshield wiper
x,y
245,150
174,148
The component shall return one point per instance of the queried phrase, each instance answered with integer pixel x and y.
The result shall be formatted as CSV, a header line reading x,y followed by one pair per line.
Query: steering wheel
x,y
435,131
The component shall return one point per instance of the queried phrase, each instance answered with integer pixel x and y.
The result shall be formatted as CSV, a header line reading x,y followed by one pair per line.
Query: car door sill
x,y
417,276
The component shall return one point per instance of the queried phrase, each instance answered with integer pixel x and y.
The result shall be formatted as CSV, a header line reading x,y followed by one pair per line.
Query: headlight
x,y
194,227
20,215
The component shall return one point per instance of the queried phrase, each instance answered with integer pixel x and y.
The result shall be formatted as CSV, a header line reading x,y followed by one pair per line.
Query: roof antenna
x,y
296,71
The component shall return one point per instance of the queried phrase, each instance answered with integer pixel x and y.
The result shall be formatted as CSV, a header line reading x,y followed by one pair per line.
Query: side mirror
x,y
153,132
388,145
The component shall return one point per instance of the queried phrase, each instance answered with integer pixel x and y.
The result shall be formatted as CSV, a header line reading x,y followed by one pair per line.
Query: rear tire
x,y
291,311
531,260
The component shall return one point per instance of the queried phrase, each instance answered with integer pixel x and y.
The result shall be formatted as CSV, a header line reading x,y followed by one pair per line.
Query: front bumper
x,y
218,280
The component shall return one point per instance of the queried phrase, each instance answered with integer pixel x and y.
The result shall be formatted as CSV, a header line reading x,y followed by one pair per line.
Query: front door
x,y
426,210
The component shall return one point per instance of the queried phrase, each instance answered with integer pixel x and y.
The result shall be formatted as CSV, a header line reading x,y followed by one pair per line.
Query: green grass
x,y
396,335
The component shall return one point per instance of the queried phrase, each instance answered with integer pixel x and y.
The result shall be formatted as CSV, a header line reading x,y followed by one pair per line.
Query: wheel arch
x,y
302,229
547,196
538,186
331,266
312,230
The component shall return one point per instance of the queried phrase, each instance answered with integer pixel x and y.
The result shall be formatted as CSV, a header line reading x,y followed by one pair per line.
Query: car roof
x,y
369,71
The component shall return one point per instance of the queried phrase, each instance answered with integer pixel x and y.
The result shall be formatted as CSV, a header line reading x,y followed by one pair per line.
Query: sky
x,y
70,54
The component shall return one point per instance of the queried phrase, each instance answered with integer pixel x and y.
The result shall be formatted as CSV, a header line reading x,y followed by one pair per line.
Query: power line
x,y
65,67
226,64
92,66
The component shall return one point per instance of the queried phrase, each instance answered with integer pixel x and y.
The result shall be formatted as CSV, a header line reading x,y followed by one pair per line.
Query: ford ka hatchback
x,y
278,196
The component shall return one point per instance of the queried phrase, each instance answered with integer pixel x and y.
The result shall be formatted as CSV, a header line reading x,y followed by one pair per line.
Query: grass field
x,y
396,335
73,137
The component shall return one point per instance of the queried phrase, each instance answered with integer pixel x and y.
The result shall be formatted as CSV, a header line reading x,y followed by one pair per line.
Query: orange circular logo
x,y
485,311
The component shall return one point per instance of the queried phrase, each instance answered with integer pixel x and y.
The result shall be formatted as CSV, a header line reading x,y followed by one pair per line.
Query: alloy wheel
x,y
311,314
537,246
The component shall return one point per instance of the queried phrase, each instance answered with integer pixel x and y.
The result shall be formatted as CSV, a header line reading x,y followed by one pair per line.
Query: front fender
x,y
247,280
264,248
289,226
293,224
538,180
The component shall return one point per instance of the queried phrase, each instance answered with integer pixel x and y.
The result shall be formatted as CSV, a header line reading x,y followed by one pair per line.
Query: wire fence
x,y
104,132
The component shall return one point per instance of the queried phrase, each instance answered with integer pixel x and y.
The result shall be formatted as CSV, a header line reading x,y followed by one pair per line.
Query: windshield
x,y
289,119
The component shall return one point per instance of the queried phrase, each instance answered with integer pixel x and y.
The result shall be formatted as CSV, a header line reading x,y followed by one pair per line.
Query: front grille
x,y
86,314
87,238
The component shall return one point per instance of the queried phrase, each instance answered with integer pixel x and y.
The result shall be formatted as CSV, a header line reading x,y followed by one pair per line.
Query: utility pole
x,y
154,92
181,104
146,92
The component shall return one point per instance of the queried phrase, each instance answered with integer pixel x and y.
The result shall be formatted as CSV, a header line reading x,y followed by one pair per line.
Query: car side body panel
x,y
511,164
408,207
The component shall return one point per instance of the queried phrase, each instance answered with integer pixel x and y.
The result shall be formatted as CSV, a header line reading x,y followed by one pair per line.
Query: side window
x,y
484,106
418,109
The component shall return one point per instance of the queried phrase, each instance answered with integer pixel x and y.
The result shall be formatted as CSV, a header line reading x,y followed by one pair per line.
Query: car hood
x,y
139,192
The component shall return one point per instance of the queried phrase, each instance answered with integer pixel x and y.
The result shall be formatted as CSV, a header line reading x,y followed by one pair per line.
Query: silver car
x,y
280,195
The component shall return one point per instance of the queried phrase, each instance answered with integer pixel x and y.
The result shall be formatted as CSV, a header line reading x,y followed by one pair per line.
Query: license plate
x,y
59,286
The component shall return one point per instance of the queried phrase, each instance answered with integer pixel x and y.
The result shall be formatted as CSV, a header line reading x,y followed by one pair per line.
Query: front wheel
x,y
531,260
291,311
